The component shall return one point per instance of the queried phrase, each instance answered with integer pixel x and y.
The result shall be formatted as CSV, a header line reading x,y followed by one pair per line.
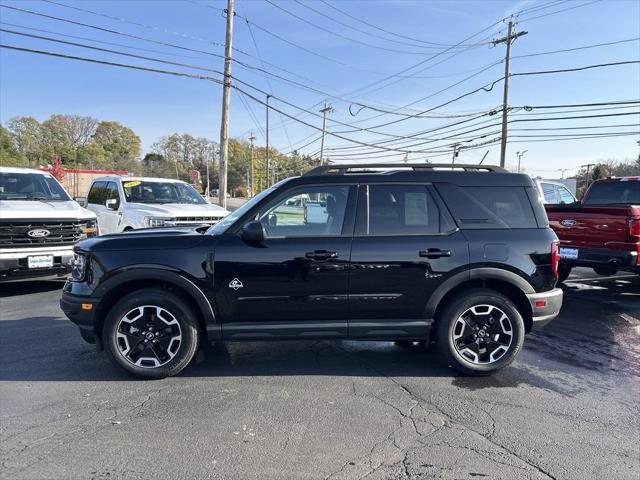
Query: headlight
x,y
91,229
155,221
78,267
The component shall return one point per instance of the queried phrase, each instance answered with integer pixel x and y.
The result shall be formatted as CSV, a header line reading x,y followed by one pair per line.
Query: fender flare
x,y
485,273
146,272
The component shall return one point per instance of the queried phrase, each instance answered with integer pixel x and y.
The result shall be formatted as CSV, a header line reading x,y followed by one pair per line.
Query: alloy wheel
x,y
148,336
482,334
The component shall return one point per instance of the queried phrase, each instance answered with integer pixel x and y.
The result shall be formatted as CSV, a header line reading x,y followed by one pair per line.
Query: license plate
x,y
569,253
40,261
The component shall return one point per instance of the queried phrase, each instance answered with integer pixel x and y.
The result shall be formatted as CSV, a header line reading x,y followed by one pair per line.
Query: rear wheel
x,y
151,333
605,271
479,332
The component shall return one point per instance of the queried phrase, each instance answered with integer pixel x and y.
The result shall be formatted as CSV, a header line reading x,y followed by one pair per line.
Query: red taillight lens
x,y
634,227
555,257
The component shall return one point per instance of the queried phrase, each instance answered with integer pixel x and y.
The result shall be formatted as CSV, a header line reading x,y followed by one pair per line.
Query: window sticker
x,y
415,209
131,184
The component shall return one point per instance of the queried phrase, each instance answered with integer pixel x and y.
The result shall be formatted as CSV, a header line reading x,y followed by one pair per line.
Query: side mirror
x,y
253,232
111,204
82,201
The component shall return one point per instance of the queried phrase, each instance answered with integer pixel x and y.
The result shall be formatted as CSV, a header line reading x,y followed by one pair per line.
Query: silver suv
x,y
127,203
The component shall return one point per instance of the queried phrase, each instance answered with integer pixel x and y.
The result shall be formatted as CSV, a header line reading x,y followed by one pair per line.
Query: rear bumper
x,y
545,306
14,262
603,257
76,308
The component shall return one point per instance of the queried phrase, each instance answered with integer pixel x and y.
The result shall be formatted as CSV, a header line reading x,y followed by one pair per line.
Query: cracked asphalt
x,y
568,408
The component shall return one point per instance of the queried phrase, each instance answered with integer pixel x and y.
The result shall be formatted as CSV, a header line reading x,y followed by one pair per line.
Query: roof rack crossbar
x,y
344,168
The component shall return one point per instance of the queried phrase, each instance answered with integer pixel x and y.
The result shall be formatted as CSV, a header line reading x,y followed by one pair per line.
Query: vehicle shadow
x,y
597,329
26,287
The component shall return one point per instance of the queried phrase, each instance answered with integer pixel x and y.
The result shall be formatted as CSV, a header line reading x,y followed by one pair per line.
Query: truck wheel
x,y
563,272
479,332
151,333
605,271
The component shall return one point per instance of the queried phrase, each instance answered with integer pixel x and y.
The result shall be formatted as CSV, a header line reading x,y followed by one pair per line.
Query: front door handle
x,y
321,255
434,253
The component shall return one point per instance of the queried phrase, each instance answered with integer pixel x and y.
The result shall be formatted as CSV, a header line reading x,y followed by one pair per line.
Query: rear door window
x,y
489,207
549,193
401,210
616,192
565,195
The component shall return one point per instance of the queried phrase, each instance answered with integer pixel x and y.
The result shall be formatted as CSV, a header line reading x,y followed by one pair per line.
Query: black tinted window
x,y
96,194
28,186
112,192
489,207
608,193
402,209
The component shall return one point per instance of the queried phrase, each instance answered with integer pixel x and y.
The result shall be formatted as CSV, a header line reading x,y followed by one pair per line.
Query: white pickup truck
x,y
39,224
127,203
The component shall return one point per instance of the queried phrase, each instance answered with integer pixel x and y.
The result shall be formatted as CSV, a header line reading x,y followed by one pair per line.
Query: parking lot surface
x,y
569,407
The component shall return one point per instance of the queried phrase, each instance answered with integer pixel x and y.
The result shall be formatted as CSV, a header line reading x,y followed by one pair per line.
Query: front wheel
x,y
151,333
479,332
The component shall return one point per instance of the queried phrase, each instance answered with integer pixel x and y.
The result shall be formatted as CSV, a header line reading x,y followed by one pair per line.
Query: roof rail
x,y
360,168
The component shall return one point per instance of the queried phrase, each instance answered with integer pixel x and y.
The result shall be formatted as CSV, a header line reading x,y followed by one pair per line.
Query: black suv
x,y
462,255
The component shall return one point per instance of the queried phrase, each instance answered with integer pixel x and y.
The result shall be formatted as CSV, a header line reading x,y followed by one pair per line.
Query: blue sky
x,y
155,105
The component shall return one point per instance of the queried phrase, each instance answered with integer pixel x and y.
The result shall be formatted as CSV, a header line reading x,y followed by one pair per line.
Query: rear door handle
x,y
321,255
434,253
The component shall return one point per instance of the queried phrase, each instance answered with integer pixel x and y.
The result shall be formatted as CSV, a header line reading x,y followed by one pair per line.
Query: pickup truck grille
x,y
16,233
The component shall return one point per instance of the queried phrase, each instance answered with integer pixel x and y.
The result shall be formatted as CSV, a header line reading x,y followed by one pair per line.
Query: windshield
x,y
230,219
137,191
611,193
31,186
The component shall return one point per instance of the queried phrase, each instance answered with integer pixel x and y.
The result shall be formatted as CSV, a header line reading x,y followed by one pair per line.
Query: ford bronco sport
x,y
462,255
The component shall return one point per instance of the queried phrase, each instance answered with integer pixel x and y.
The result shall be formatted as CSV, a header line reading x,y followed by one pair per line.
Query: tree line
x,y
85,142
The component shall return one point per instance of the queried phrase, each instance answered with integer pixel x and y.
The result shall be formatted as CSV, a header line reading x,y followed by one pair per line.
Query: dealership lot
x,y
568,407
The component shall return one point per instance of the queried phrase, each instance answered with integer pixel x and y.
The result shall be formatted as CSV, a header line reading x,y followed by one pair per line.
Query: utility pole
x,y
456,152
208,157
562,170
505,97
588,179
520,155
324,111
253,167
267,138
226,95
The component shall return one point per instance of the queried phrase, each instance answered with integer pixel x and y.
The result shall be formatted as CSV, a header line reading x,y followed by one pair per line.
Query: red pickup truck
x,y
603,230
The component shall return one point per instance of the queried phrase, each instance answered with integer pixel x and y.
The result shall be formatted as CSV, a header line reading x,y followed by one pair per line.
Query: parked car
x,y
462,255
39,224
553,192
127,203
603,230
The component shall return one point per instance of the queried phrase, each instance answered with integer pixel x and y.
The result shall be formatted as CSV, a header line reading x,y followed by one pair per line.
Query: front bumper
x,y
545,306
604,257
81,311
14,263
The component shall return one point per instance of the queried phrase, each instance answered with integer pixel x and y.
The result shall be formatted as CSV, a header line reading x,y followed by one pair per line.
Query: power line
x,y
559,11
337,34
340,22
585,47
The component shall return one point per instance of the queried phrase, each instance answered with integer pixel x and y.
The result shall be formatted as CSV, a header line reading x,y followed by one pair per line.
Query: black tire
x,y
563,272
605,271
180,335
450,321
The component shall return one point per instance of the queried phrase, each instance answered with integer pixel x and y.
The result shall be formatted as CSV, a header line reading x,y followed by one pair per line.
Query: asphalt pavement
x,y
568,408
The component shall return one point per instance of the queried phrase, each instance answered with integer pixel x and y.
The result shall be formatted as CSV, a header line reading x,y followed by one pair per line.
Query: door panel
x,y
406,245
295,282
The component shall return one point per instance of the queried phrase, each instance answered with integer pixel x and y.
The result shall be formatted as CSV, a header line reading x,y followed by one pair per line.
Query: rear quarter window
x,y
483,207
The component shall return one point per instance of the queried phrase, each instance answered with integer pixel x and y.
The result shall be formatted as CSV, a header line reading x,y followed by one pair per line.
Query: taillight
x,y
555,257
634,227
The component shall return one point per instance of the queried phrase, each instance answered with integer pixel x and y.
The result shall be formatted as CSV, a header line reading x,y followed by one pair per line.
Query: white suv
x,y
39,224
127,203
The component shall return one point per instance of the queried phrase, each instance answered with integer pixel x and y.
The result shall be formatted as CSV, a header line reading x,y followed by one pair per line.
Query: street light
x,y
520,155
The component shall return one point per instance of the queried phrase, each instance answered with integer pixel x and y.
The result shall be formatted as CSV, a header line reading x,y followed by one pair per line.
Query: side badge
x,y
235,284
